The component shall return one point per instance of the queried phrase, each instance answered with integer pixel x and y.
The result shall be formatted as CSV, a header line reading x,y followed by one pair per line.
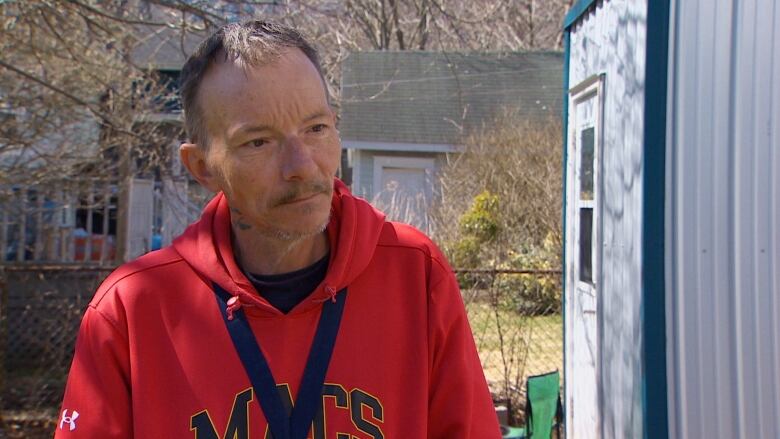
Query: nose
x,y
297,160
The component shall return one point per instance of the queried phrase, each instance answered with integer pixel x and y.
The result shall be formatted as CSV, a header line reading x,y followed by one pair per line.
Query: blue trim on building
x,y
565,124
654,380
576,12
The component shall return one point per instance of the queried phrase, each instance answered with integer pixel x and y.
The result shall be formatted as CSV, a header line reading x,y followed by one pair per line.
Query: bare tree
x,y
74,102
441,24
66,64
77,100
499,213
519,162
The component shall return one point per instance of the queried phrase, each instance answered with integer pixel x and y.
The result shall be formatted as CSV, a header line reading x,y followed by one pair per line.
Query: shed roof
x,y
435,97
577,11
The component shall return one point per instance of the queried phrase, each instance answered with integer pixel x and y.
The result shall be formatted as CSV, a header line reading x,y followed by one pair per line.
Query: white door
x,y
582,375
403,189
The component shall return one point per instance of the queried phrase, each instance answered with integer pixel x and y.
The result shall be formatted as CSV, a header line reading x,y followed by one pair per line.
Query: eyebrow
x,y
315,116
250,129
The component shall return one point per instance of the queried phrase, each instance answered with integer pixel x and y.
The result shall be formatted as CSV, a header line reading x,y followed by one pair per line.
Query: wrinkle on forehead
x,y
236,94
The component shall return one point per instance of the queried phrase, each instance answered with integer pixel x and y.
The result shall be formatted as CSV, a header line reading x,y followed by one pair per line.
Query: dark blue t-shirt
x,y
286,290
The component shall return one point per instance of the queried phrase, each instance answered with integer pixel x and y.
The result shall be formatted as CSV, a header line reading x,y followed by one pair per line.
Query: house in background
x,y
403,112
162,203
107,220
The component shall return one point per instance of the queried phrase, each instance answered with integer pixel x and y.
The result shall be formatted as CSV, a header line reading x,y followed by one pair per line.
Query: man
x,y
291,309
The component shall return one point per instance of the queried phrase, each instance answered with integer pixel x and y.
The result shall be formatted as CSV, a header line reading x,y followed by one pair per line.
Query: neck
x,y
259,254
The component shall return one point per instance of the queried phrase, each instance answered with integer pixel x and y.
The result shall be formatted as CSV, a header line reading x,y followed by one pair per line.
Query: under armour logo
x,y
70,420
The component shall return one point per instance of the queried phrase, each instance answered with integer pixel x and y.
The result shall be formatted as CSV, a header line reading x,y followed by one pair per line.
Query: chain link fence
x,y
41,312
516,319
515,316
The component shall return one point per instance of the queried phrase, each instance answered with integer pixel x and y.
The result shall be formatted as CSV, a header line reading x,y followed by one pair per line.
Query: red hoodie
x,y
155,360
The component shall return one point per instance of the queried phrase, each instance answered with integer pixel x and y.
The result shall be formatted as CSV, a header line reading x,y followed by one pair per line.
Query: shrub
x,y
504,189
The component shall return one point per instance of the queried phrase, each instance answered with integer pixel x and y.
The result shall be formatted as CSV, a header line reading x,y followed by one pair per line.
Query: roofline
x,y
378,145
577,11
461,52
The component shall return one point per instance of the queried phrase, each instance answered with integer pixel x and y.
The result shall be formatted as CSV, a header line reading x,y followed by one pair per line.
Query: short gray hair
x,y
252,42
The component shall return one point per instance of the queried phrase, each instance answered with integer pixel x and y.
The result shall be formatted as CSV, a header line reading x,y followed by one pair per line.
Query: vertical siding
x,y
724,223
611,40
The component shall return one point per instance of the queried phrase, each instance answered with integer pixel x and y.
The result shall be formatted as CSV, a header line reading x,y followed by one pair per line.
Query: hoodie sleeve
x,y
97,395
460,404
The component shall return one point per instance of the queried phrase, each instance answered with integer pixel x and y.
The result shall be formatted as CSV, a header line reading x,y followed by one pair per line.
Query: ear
x,y
194,158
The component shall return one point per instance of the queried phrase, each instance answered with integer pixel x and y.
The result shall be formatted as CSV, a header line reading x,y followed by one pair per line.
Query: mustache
x,y
303,190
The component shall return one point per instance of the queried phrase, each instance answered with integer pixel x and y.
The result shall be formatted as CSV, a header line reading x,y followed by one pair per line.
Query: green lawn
x,y
531,344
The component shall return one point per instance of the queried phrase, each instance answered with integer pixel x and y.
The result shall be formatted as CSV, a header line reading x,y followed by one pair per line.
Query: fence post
x,y
40,234
106,209
3,334
21,246
89,225
4,230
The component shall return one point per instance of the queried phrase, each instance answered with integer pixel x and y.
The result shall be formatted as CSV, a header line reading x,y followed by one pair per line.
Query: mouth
x,y
303,199
303,193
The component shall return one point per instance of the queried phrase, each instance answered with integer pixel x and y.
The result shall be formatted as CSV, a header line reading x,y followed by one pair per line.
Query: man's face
x,y
274,147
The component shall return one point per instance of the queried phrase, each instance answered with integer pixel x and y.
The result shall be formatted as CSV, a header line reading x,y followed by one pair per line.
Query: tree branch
x,y
99,114
113,17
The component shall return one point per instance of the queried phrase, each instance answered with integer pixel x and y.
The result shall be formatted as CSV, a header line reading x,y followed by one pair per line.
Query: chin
x,y
297,234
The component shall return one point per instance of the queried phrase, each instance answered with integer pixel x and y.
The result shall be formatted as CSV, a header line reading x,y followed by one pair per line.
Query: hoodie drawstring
x,y
332,292
331,295
233,305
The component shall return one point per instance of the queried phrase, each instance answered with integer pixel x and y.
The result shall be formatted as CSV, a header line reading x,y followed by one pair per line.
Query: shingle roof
x,y
424,97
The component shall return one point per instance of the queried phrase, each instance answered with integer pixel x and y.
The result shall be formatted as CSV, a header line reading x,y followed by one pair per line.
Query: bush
x,y
500,209
504,189
537,294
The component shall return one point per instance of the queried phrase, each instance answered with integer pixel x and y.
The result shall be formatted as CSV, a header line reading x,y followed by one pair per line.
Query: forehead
x,y
234,93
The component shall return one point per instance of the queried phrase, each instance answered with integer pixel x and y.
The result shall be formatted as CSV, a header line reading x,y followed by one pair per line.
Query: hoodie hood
x,y
353,233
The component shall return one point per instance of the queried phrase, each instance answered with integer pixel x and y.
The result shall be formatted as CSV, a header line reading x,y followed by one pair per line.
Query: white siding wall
x,y
723,242
611,40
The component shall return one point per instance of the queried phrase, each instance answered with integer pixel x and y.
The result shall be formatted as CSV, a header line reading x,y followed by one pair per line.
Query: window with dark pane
x,y
169,79
587,143
586,244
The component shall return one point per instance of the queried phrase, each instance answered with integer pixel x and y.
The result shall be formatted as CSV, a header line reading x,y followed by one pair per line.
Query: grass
x,y
531,344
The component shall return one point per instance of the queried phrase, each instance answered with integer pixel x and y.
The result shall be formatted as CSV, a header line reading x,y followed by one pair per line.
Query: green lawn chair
x,y
543,411
512,432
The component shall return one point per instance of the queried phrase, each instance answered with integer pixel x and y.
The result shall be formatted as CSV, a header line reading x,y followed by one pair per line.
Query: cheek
x,y
252,168
236,178
256,181
331,157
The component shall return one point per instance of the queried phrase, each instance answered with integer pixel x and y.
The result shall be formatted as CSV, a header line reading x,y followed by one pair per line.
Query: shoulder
x,y
146,271
407,239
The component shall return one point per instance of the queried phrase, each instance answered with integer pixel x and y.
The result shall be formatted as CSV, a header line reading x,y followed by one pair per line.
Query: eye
x,y
320,127
256,143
